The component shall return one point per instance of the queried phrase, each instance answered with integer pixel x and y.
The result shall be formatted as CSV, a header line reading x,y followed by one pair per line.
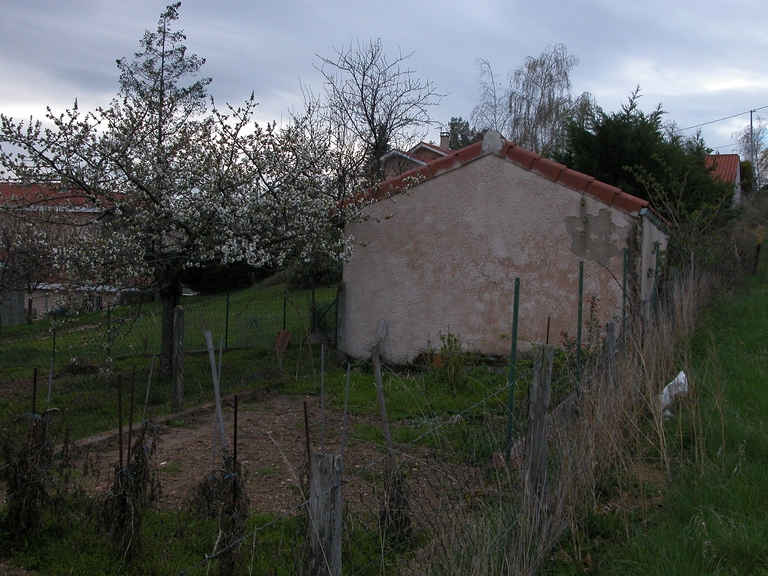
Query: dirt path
x,y
271,447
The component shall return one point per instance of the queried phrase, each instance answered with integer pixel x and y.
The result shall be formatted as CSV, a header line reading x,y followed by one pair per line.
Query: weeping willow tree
x,y
533,109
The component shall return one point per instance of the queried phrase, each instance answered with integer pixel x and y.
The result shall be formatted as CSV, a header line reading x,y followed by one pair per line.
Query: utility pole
x,y
752,154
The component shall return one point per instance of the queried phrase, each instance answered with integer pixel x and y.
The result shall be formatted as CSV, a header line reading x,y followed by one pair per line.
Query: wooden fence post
x,y
536,437
177,369
376,361
325,508
610,351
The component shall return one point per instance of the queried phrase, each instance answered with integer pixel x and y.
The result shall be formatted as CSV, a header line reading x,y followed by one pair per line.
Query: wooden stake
x,y
536,438
325,508
234,435
146,396
380,394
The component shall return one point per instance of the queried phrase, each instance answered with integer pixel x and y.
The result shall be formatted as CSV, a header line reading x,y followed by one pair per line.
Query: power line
x,y
721,119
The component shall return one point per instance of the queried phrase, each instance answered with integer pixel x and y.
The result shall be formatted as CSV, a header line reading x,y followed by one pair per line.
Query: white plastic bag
x,y
678,386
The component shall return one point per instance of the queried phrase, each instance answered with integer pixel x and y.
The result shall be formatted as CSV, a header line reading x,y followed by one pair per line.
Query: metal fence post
x,y
177,363
50,372
109,330
313,311
285,306
512,371
655,292
226,325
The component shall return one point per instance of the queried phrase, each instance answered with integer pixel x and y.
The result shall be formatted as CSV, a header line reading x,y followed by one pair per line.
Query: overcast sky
x,y
702,60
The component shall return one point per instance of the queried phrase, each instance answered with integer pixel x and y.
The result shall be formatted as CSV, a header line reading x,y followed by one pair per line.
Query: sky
x,y
701,60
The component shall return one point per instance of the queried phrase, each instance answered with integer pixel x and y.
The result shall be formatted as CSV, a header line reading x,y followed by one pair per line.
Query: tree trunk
x,y
171,296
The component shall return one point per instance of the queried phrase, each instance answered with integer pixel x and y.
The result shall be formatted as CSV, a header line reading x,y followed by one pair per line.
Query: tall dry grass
x,y
606,443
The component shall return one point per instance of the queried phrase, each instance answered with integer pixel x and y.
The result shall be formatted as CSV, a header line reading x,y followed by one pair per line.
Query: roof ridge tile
x,y
522,157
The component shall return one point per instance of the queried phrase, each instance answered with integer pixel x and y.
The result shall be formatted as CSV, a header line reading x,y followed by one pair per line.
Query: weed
x,y
221,495
134,486
447,364
37,451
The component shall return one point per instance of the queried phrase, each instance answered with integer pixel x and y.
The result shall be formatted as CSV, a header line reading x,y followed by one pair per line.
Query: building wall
x,y
443,256
12,311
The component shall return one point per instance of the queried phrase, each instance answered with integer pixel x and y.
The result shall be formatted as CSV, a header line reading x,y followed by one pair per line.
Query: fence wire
x,y
72,361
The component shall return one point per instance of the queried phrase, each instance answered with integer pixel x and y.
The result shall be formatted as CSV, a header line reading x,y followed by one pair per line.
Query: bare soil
x,y
272,448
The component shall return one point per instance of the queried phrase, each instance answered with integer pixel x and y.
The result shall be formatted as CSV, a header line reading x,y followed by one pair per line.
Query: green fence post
x,y
512,371
285,305
312,311
50,371
226,325
578,329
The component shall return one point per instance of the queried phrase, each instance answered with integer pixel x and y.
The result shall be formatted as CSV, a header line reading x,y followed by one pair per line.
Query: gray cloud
x,y
702,60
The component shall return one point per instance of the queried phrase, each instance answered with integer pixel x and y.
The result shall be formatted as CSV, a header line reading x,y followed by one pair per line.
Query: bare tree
x,y
536,105
492,111
373,104
752,143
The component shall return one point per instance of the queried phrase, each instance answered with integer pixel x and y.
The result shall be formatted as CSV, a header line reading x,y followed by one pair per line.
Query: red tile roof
x,y
523,158
725,167
36,196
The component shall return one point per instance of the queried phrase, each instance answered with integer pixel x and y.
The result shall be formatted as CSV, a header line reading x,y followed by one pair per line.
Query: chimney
x,y
445,140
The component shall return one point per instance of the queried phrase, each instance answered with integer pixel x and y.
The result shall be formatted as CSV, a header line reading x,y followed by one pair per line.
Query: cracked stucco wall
x,y
444,255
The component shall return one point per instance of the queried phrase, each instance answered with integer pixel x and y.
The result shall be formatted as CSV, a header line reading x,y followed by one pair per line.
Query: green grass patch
x,y
713,518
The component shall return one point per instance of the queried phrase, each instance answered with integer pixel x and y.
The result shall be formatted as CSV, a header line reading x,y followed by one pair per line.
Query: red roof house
x,y
396,162
33,218
441,246
726,168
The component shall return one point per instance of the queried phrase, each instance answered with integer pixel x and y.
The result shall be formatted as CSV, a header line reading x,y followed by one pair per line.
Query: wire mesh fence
x,y
413,517
72,362
454,470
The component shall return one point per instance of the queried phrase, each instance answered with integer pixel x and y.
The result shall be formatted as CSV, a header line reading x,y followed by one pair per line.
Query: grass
x,y
247,318
429,408
712,517
85,369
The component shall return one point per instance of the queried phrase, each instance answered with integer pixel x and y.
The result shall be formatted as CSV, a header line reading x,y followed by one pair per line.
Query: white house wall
x,y
443,257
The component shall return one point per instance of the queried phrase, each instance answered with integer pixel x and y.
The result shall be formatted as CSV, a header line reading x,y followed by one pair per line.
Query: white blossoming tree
x,y
175,185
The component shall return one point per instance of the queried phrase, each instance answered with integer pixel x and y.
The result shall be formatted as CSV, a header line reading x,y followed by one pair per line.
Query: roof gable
x,y
428,152
519,156
725,167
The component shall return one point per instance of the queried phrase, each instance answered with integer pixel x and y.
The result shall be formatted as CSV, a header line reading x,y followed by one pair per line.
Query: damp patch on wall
x,y
595,238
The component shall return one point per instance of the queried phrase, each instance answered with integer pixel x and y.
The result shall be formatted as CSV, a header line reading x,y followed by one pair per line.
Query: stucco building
x,y
726,168
442,244
32,219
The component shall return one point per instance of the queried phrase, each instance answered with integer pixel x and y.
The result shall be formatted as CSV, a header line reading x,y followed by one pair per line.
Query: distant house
x,y
396,162
726,168
442,244
32,217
